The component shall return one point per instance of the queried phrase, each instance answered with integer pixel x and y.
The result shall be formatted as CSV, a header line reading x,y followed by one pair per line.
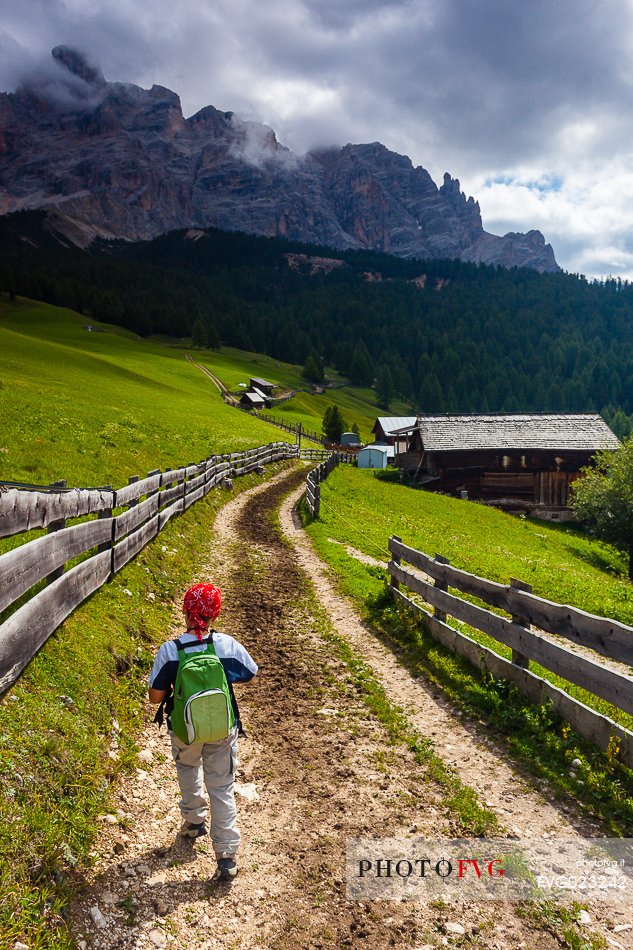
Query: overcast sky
x,y
528,102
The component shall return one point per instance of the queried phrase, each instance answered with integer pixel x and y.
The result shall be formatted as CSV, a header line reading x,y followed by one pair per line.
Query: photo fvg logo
x,y
496,869
423,867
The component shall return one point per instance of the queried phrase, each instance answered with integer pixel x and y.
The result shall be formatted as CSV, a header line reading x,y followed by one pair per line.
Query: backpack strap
x,y
206,641
236,710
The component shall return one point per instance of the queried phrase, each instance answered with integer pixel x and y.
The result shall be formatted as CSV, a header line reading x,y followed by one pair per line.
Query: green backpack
x,y
203,709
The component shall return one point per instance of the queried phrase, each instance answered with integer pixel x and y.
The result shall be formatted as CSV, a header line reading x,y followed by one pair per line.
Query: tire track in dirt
x,y
316,770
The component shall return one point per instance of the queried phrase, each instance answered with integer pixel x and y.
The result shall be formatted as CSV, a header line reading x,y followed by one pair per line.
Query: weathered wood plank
x,y
23,567
170,494
216,479
587,722
490,591
26,510
132,492
194,483
607,637
194,496
616,688
133,543
129,520
176,475
191,471
28,628
167,513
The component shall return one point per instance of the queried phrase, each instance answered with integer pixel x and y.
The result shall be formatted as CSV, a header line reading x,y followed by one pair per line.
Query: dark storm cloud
x,y
503,94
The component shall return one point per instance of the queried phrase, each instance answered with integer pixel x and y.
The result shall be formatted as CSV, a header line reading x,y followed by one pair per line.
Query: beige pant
x,y
212,764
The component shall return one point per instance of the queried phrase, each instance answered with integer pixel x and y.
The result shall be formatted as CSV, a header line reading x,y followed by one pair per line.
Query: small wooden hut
x,y
262,386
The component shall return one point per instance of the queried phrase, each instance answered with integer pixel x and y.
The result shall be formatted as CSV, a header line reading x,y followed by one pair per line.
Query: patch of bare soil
x,y
317,769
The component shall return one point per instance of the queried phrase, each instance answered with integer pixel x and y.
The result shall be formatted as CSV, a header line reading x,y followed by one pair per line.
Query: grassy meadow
x,y
362,509
94,408
357,404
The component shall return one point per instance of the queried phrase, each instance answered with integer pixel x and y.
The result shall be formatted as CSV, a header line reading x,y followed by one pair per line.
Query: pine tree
x,y
333,424
384,387
199,334
313,368
361,371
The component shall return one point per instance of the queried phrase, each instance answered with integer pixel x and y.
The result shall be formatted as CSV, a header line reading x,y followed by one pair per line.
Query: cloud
x,y
506,96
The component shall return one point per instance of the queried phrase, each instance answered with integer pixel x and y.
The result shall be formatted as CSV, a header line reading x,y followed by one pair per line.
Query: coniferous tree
x,y
384,387
333,424
313,368
199,334
361,371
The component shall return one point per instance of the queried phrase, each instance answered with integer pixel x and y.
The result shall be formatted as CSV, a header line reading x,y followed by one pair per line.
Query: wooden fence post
x,y
394,583
441,585
130,481
154,471
106,513
56,526
518,658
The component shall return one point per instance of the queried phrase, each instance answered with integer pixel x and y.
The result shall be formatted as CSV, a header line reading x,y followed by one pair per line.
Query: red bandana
x,y
203,602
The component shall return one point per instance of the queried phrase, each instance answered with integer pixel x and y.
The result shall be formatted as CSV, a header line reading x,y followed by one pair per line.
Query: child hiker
x,y
203,719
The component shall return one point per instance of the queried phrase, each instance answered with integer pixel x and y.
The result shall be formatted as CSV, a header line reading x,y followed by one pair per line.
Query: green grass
x,y
94,408
83,689
357,404
362,509
237,366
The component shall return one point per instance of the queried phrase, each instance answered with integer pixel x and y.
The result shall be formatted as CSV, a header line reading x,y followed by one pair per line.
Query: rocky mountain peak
x,y
77,64
123,161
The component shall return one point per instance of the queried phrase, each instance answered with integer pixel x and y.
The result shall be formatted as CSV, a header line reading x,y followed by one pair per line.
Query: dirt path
x,y
317,770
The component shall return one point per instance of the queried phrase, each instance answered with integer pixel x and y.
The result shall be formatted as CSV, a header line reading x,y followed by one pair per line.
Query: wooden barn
x,y
385,426
253,399
523,462
262,386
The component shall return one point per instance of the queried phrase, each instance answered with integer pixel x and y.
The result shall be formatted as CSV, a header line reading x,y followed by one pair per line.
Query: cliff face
x,y
117,160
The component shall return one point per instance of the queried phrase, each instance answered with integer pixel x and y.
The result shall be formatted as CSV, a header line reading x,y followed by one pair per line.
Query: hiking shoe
x,y
227,869
190,830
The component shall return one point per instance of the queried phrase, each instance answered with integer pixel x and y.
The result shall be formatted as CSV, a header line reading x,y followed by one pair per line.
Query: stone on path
x,y
247,790
158,938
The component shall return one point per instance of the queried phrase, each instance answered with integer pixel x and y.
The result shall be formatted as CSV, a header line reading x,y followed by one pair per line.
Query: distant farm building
x,y
384,426
374,456
253,399
262,386
523,462
349,438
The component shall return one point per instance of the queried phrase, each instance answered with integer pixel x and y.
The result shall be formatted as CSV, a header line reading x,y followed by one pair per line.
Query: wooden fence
x,y
602,636
114,536
324,454
295,427
314,479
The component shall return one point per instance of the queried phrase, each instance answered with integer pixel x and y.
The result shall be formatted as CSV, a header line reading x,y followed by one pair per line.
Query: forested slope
x,y
444,335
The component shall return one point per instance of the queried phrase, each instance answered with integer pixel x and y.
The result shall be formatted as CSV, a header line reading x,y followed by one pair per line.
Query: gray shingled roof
x,y
560,432
390,423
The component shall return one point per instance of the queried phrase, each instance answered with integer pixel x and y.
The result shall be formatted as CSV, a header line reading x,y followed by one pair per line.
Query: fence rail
x,y
295,427
314,479
115,535
608,638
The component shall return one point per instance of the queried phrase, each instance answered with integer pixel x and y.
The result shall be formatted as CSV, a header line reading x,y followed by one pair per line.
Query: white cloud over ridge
x,y
527,104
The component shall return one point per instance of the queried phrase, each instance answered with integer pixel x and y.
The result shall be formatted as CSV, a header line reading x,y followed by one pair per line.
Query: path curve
x,y
317,770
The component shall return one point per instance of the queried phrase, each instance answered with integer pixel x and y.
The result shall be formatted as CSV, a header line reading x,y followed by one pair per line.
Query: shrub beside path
x,y
317,769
